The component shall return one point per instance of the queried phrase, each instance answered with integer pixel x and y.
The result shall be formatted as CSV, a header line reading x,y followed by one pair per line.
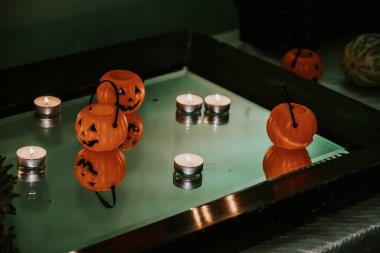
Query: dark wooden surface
x,y
265,210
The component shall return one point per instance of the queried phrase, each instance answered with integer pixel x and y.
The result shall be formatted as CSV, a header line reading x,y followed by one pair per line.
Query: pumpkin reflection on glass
x,y
96,129
280,127
303,62
135,131
278,161
99,171
130,87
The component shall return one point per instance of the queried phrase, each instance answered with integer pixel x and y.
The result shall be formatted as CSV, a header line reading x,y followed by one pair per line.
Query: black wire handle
x,y
104,202
117,100
294,63
287,97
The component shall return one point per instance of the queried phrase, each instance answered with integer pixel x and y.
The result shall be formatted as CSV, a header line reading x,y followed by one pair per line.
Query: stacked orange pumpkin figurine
x,y
102,129
291,128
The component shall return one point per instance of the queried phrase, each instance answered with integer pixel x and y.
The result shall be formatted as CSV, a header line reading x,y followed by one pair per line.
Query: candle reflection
x,y
206,214
202,216
196,217
231,203
216,119
188,119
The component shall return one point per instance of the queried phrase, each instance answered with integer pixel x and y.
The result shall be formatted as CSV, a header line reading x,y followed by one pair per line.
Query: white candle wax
x,y
188,164
189,103
47,105
217,103
31,157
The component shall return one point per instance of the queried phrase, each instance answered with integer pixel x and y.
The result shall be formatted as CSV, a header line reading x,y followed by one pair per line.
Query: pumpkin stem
x,y
287,97
117,100
293,65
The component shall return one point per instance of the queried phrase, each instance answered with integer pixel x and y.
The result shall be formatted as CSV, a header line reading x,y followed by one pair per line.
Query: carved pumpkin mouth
x,y
130,107
82,162
90,143
133,127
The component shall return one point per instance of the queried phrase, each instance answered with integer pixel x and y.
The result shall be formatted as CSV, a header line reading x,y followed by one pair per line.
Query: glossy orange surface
x,y
278,161
280,126
95,130
99,171
308,64
135,131
130,87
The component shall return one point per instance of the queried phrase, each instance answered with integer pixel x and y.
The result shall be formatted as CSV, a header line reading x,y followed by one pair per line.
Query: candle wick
x,y
189,97
217,98
46,100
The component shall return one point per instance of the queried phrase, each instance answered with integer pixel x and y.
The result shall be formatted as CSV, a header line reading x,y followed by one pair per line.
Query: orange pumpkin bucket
x,y
130,88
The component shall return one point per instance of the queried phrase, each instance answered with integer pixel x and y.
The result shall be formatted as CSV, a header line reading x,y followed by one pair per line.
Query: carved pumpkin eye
x,y
121,91
80,122
137,91
93,128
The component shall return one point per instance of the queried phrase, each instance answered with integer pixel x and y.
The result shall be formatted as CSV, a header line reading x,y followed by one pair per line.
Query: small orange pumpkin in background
x,y
278,161
303,62
99,171
130,87
135,131
280,127
96,129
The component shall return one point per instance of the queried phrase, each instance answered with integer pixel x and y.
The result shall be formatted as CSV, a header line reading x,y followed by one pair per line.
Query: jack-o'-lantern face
x,y
99,171
135,131
280,126
130,87
96,130
278,161
303,62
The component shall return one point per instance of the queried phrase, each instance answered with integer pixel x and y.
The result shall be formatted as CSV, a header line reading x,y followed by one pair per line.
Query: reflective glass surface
x,y
57,214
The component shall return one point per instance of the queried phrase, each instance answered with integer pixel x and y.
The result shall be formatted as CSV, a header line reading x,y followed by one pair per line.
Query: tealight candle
x,y
188,164
217,103
189,103
47,106
31,157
